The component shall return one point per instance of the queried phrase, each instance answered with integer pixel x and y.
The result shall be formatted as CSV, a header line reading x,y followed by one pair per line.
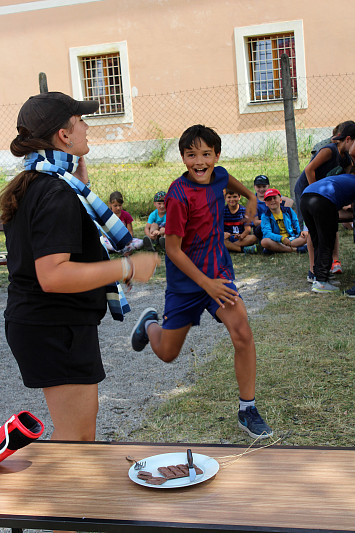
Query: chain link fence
x,y
141,156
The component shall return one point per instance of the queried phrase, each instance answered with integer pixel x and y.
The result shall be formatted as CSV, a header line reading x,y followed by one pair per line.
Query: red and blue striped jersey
x,y
195,212
234,222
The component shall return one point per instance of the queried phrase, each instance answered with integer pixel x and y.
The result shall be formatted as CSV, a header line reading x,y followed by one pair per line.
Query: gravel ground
x,y
134,381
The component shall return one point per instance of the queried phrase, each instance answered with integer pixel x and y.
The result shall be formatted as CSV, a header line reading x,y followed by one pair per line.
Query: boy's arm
x,y
287,201
251,207
217,288
246,232
147,229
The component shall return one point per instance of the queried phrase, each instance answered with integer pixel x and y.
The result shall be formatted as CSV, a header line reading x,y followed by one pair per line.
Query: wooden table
x,y
85,487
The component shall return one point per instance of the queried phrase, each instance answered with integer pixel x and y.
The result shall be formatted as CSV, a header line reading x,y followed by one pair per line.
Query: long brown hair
x,y
14,191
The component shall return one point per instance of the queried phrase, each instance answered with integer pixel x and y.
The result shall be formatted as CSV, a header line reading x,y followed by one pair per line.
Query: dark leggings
x,y
321,218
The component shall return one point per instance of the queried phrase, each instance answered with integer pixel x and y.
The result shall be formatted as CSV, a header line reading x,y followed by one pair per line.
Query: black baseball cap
x,y
348,131
45,113
261,180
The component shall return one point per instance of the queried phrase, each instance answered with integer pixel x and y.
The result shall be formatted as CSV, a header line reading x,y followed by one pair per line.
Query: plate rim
x,y
164,486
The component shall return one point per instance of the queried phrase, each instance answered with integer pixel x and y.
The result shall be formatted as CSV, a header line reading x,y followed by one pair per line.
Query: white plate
x,y
208,466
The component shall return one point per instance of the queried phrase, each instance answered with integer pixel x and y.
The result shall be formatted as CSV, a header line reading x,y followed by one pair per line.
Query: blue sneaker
x,y
302,249
350,292
250,249
266,251
251,422
139,337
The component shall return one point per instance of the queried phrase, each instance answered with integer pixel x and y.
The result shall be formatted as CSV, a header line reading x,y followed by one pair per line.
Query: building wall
x,y
174,46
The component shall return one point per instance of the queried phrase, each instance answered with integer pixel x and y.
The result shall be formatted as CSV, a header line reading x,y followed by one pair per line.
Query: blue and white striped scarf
x,y
62,165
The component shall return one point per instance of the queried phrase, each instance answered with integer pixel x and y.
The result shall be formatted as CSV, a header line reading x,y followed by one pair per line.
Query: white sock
x,y
148,322
243,404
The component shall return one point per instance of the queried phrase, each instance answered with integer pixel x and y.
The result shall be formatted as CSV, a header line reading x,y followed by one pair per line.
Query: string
x,y
230,459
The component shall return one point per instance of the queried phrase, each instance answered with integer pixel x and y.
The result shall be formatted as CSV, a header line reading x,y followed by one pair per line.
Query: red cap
x,y
271,192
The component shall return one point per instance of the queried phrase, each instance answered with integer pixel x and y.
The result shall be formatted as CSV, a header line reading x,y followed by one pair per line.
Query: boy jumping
x,y
199,269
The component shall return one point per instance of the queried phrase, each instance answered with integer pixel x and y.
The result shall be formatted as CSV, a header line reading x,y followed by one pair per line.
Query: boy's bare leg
x,y
276,246
299,241
235,318
249,240
232,246
166,343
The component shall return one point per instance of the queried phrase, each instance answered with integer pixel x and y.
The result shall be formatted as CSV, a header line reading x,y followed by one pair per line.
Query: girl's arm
x,y
217,288
130,228
322,157
56,273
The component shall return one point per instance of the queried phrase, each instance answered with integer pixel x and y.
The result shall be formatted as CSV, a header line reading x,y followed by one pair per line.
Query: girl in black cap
x,y
60,283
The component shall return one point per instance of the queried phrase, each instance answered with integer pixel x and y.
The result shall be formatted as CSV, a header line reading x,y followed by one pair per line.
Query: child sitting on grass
x,y
115,204
261,184
199,269
280,227
155,227
237,234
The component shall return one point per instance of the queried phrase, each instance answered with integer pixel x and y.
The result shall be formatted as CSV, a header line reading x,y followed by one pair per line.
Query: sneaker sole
x,y
254,435
139,319
325,291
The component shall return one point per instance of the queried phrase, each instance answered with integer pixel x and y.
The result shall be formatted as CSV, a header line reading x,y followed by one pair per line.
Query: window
x,y
265,65
101,72
103,81
258,56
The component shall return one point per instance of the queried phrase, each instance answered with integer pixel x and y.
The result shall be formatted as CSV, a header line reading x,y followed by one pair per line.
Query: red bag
x,y
18,431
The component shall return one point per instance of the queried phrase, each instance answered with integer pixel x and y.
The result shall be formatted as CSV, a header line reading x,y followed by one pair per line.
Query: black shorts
x,y
56,355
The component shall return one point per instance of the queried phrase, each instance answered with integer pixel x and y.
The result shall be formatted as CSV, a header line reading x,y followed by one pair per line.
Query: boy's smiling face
x,y
232,200
260,191
161,208
273,203
200,160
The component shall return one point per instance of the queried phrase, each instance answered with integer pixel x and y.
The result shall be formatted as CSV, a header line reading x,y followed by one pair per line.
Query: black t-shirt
x,y
336,160
51,219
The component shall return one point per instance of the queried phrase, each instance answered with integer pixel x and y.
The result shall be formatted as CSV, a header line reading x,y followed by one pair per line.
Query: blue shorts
x,y
186,308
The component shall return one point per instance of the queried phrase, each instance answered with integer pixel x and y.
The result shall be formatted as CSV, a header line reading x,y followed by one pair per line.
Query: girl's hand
x,y
144,266
81,172
220,291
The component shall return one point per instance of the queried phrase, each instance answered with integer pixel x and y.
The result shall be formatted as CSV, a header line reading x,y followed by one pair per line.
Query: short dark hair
x,y
197,133
339,128
116,196
230,191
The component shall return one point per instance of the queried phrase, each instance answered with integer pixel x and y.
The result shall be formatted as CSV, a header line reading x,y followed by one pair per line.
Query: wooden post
x,y
43,87
290,127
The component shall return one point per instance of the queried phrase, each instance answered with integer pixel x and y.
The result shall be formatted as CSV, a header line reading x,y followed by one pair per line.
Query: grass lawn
x,y
305,365
138,184
305,342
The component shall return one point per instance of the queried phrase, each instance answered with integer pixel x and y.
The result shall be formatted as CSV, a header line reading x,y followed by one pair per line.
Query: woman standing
x,y
59,280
